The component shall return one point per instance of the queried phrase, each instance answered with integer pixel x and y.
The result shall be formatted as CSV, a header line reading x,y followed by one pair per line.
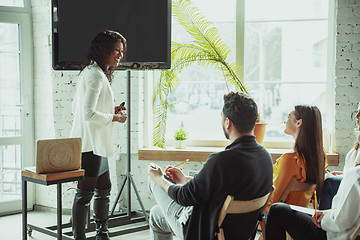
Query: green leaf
x,y
207,48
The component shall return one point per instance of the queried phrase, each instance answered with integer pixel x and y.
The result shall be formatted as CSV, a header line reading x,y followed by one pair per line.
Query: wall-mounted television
x,y
146,25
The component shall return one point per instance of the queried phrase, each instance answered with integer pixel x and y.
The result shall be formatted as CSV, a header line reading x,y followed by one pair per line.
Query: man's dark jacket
x,y
244,169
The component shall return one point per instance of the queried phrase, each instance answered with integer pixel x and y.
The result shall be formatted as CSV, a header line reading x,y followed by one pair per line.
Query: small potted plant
x,y
180,136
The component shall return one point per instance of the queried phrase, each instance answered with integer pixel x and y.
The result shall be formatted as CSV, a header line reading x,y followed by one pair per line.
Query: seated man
x,y
189,207
339,222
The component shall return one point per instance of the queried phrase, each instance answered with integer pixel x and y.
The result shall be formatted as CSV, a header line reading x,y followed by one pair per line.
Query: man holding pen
x,y
189,207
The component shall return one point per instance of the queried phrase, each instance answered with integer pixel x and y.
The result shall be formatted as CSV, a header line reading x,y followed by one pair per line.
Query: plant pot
x,y
180,144
259,132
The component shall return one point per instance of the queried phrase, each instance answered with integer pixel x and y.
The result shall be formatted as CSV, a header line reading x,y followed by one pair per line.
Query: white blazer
x,y
352,159
93,109
343,219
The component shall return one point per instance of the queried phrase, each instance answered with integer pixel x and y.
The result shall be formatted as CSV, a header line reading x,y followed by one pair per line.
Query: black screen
x,y
144,23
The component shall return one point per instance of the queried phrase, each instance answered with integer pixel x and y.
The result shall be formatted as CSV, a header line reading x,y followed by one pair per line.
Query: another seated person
x,y
339,223
331,184
190,207
307,161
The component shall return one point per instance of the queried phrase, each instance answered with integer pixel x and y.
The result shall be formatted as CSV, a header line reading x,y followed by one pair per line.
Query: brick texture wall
x,y
347,74
53,95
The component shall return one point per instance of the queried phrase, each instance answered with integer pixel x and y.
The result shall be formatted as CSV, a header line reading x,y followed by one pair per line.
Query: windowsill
x,y
201,154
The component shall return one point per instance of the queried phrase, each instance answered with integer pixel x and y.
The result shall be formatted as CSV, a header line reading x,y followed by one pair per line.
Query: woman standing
x,y
307,161
94,117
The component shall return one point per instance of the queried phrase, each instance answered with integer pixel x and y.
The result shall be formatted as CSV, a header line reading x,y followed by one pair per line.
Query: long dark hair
x,y
309,144
101,47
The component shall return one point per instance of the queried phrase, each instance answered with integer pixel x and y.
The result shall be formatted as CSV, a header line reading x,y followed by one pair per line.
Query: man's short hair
x,y
242,110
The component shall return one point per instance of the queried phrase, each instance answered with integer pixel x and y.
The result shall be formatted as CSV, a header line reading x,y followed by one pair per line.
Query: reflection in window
x,y
285,65
199,98
285,60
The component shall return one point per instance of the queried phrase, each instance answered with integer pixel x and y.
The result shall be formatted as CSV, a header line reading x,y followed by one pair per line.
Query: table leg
x,y
24,209
59,212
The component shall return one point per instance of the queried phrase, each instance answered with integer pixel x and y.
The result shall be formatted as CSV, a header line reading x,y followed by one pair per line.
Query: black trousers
x,y
282,219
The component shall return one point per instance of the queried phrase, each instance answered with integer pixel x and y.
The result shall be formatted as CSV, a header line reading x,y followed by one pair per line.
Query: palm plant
x,y
207,48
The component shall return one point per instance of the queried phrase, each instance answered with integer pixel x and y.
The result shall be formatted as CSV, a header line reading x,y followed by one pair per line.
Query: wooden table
x,y
47,179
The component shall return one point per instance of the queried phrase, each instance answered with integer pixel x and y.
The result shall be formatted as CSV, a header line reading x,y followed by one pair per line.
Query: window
x,y
12,3
10,80
16,122
285,58
200,96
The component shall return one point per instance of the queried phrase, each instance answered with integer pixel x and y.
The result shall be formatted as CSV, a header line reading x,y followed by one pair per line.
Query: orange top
x,y
315,205
287,166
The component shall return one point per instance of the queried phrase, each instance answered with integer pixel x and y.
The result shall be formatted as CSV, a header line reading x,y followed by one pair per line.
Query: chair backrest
x,y
357,235
295,185
238,207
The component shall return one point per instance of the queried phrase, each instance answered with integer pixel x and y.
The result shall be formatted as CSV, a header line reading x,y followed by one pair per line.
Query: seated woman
x,y
340,222
306,162
331,184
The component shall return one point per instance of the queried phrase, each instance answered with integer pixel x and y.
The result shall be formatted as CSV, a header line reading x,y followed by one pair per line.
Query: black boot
x,y
101,213
79,212
102,232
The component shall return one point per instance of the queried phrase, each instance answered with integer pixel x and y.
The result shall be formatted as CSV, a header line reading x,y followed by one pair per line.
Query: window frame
x,y
22,17
149,78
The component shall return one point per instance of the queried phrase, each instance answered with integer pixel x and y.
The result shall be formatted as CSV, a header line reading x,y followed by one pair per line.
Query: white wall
x,y
53,92
347,72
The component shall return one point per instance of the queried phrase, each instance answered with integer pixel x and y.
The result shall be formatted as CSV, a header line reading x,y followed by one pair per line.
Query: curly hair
x,y
101,47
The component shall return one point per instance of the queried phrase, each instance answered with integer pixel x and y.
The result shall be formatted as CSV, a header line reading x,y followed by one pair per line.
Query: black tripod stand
x,y
130,217
140,219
